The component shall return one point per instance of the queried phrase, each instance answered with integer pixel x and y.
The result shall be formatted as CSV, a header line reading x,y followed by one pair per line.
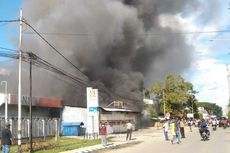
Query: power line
x,y
9,55
8,49
61,34
54,48
154,34
40,63
6,21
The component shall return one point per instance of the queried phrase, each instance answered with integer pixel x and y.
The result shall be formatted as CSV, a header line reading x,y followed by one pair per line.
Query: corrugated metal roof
x,y
117,110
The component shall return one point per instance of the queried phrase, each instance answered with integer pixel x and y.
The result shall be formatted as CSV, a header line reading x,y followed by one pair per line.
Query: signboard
x,y
190,115
92,111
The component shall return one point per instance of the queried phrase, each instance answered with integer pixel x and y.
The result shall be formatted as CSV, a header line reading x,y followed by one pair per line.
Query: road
x,y
219,143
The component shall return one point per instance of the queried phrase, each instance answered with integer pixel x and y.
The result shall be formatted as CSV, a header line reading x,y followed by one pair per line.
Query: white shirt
x,y
129,126
166,127
214,122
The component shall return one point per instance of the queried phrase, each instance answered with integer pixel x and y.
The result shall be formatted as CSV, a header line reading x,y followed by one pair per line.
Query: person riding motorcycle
x,y
214,124
204,128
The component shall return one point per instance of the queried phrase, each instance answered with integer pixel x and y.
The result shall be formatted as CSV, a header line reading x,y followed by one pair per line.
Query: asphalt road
x,y
219,143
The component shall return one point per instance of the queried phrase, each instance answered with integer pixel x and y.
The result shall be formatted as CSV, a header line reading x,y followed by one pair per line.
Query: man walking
x,y
6,139
166,129
129,128
190,125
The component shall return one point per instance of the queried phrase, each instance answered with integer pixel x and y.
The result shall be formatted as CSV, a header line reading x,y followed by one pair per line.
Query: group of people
x,y
176,127
177,130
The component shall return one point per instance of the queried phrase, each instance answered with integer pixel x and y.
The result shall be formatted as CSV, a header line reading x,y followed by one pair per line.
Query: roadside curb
x,y
97,148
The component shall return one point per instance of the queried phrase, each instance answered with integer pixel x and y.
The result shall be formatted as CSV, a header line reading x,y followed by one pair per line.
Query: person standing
x,y
190,125
129,128
103,133
166,129
182,129
173,132
178,133
6,139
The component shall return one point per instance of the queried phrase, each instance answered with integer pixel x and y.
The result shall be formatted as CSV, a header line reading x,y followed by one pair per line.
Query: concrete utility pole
x,y
20,85
31,100
6,100
163,98
228,77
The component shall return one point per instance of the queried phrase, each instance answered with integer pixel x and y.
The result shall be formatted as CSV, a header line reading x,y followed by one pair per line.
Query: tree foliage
x,y
175,93
228,114
212,108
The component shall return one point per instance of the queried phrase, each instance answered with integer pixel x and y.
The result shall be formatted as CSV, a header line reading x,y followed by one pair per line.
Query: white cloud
x,y
210,79
207,73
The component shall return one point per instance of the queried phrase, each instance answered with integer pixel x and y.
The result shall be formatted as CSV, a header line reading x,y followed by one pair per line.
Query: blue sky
x,y
208,72
8,10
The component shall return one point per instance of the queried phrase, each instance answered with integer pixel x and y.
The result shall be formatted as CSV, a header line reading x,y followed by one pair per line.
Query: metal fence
x,y
40,127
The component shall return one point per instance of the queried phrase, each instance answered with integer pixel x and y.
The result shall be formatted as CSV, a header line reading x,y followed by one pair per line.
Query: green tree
x,y
212,108
228,114
174,94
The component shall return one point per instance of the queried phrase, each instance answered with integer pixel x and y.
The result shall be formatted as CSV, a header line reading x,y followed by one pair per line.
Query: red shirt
x,y
102,130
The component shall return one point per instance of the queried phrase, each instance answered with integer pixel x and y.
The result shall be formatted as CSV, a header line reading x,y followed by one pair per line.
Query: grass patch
x,y
52,146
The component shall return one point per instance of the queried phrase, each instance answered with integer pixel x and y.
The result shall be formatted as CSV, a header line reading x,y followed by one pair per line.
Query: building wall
x,y
36,111
118,120
74,114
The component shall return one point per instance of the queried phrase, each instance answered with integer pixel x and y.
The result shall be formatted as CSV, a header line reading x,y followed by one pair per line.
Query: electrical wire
x,y
7,21
40,63
46,65
54,48
8,49
147,34
59,34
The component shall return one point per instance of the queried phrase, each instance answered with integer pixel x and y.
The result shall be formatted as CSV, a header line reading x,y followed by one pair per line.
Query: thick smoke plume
x,y
118,43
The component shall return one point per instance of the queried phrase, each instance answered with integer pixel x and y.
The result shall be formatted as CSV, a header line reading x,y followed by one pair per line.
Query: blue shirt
x,y
203,125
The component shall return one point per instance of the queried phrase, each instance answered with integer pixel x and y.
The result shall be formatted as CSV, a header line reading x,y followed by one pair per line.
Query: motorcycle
x,y
204,134
214,127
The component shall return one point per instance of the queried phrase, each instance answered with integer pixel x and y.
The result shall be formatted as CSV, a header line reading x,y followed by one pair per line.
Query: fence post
x,y
56,130
28,127
43,129
11,123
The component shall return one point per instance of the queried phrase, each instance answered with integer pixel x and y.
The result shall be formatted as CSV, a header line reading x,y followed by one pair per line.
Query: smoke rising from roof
x,y
111,41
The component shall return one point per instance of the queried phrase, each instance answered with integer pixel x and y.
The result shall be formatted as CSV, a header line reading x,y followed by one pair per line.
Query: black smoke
x,y
118,43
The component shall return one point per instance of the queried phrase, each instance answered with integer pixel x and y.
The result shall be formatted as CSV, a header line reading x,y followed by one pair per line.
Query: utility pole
x,y
6,100
228,76
20,84
163,98
31,137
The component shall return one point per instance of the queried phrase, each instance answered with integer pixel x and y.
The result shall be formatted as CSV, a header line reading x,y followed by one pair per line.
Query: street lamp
x,y
5,98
